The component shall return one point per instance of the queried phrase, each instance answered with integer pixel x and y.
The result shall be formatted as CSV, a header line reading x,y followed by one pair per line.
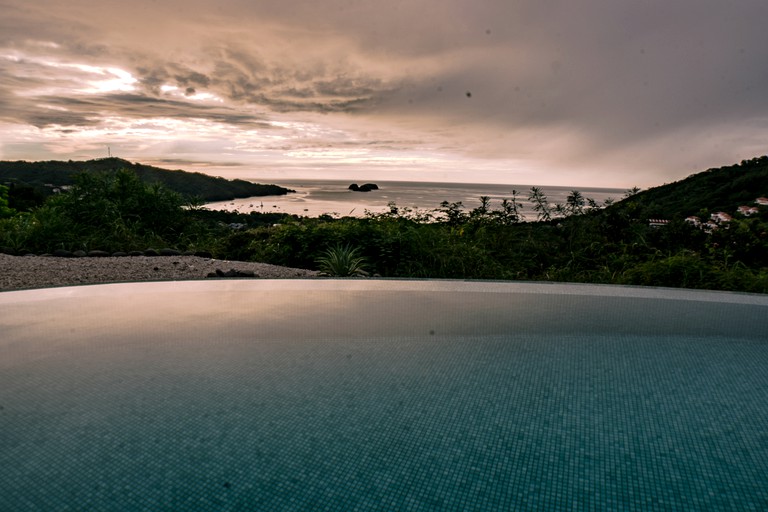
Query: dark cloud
x,y
564,82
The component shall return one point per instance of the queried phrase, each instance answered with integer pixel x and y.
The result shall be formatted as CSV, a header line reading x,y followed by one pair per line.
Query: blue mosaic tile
x,y
582,422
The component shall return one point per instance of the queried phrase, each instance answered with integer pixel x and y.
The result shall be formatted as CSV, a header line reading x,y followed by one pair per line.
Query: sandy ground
x,y
24,272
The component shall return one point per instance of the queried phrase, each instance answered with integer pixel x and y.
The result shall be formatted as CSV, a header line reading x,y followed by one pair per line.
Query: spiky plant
x,y
342,261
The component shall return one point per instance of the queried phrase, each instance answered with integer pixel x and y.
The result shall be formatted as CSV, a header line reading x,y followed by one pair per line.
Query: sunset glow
x,y
631,94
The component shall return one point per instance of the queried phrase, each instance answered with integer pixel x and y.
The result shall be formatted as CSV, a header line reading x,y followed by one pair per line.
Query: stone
x,y
203,254
169,252
151,252
98,254
234,273
367,187
61,253
119,254
79,254
136,253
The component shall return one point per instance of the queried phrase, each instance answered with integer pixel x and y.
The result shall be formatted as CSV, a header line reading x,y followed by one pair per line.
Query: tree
x,y
482,212
574,203
509,212
453,212
5,210
540,204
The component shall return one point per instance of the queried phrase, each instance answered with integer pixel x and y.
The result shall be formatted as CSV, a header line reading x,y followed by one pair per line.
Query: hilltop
x,y
55,173
717,189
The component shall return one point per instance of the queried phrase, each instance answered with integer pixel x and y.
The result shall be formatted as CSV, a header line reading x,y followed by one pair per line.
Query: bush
x,y
112,212
342,261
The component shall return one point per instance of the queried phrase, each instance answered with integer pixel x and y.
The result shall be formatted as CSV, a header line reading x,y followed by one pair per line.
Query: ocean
x,y
317,197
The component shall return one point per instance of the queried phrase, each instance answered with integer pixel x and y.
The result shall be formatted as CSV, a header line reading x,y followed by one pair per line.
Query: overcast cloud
x,y
611,93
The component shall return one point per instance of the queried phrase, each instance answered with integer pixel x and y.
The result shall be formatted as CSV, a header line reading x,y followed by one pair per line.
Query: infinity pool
x,y
382,395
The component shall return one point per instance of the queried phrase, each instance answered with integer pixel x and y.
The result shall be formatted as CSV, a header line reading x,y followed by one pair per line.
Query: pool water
x,y
382,395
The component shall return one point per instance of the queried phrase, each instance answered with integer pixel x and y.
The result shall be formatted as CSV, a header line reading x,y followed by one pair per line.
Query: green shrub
x,y
342,261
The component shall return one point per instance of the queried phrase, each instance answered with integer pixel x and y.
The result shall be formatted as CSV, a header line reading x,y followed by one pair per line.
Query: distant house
x,y
721,217
696,221
762,201
748,210
657,223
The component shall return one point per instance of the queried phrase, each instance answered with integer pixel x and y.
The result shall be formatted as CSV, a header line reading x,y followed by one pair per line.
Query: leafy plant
x,y
5,210
342,261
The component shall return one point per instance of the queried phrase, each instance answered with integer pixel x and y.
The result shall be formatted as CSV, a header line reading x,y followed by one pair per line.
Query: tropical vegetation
x,y
524,237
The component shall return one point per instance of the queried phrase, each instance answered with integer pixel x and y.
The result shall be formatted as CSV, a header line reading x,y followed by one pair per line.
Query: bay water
x,y
313,198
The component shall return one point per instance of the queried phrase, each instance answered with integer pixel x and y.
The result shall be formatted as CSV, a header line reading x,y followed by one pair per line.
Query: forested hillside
x,y
188,184
719,189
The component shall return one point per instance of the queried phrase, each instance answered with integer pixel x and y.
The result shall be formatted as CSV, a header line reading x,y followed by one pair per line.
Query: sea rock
x,y
79,254
367,187
151,252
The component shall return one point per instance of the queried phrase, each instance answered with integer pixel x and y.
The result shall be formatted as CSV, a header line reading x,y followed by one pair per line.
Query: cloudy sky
x,y
611,93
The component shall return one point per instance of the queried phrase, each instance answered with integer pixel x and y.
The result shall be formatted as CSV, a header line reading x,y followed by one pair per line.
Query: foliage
x,y
342,261
109,211
724,188
188,184
5,209
540,204
578,241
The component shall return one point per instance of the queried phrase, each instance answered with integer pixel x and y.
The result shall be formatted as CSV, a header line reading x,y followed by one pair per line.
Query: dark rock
x,y
98,254
367,187
79,254
61,253
234,273
203,254
188,253
212,274
151,252
119,254
7,250
30,254
136,253
169,252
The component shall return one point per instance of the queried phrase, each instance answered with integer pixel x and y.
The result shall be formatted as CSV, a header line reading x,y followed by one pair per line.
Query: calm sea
x,y
316,197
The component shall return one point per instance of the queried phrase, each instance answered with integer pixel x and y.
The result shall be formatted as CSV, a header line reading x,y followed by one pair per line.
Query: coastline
x,y
30,272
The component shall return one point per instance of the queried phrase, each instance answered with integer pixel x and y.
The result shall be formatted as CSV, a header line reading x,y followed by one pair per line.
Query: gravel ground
x,y
23,272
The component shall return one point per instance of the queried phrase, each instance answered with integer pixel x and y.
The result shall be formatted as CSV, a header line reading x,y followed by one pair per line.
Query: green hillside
x,y
188,184
720,189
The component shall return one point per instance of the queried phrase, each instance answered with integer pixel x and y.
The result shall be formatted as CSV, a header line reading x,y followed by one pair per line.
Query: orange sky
x,y
583,93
